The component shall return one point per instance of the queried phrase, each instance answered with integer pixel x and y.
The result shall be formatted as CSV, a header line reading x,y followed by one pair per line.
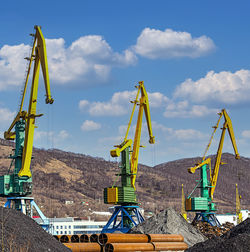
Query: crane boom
x,y
143,105
226,126
40,59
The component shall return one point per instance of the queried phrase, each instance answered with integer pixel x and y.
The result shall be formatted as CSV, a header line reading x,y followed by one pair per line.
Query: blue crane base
x,y
26,205
207,217
123,219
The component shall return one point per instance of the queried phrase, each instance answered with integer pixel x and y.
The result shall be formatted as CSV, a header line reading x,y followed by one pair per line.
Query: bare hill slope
x,y
61,176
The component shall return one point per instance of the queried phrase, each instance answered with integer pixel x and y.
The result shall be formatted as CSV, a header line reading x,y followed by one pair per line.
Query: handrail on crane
x,y
143,104
214,176
39,56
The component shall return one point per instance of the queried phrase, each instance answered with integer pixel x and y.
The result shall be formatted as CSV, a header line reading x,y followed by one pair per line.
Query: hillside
x,y
61,176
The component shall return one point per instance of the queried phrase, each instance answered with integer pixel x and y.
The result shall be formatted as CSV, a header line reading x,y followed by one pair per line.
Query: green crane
x,y
16,185
124,195
203,206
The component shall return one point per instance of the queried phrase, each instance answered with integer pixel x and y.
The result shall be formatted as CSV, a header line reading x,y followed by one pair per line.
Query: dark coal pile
x,y
235,240
19,233
170,222
210,231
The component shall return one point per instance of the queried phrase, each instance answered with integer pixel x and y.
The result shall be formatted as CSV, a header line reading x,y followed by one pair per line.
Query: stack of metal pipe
x,y
124,242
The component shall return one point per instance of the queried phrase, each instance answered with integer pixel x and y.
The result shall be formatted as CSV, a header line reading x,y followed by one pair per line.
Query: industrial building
x,y
71,226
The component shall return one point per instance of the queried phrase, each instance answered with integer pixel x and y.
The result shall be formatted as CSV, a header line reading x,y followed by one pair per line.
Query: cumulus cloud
x,y
187,134
6,115
178,134
119,103
51,136
63,134
184,109
89,58
12,65
89,125
153,44
223,87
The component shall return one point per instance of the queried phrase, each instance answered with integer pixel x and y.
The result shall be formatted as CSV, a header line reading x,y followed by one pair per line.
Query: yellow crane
x,y
238,208
19,183
183,211
124,195
204,205
39,56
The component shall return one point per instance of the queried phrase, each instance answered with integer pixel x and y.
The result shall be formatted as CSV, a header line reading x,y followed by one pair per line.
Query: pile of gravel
x,y
237,240
19,232
170,222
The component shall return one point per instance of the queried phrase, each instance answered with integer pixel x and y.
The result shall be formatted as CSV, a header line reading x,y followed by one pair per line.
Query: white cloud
x,y
178,134
51,136
188,134
183,109
246,133
160,127
89,58
89,125
119,104
40,135
155,44
6,115
83,104
223,87
12,65
63,134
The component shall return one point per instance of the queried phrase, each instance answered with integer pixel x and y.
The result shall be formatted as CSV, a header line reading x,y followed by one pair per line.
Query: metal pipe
x,y
85,238
75,238
123,247
165,238
79,247
94,238
64,238
122,238
172,246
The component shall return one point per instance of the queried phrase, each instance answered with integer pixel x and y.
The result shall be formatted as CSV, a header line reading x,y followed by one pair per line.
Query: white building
x,y
70,226
232,218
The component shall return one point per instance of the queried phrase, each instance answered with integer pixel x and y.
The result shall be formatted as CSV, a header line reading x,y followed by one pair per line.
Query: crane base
x,y
207,217
123,219
26,205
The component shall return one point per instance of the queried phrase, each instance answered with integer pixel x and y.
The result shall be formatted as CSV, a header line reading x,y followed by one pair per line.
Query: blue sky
x,y
193,57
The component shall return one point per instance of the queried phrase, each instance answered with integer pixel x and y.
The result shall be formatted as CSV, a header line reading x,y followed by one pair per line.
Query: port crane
x,y
126,212
203,206
16,186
